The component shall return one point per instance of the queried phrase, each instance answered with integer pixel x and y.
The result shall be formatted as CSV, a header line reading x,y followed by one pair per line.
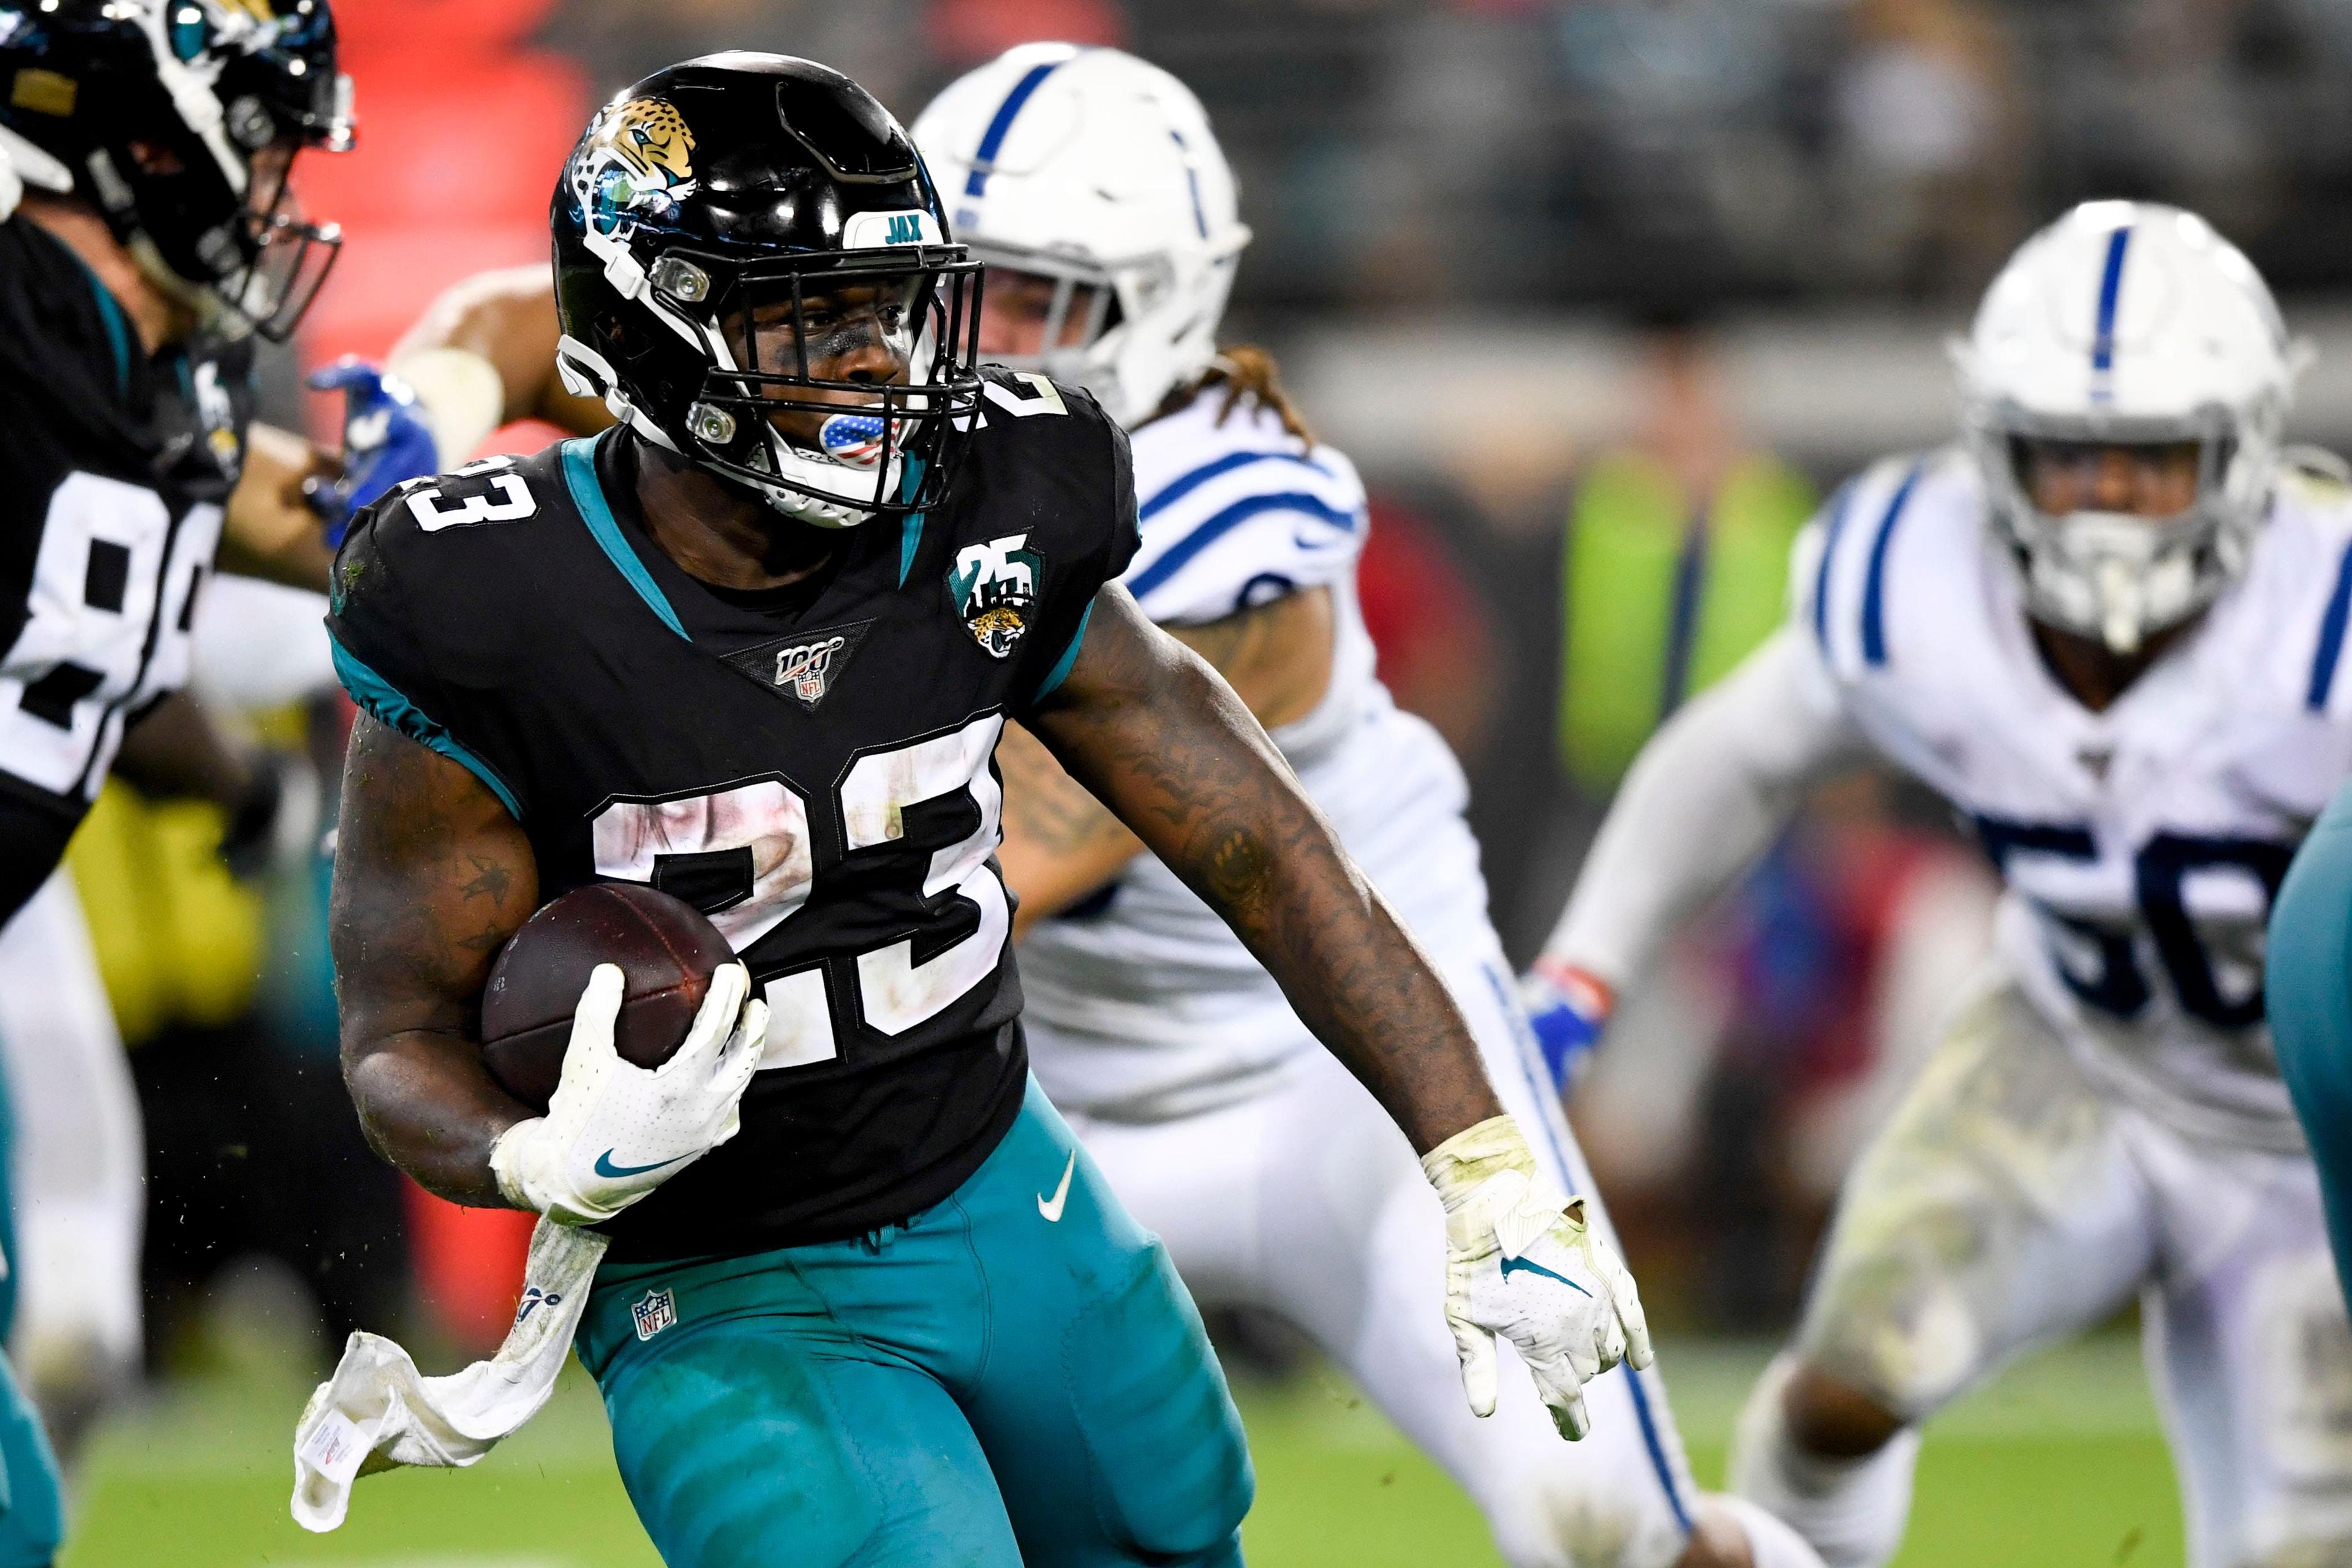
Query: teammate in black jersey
x,y
147,229
755,647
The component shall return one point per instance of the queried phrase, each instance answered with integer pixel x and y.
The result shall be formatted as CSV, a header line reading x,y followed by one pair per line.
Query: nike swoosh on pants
x,y
1052,1207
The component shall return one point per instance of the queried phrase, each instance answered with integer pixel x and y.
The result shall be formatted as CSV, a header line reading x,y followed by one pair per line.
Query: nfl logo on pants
x,y
658,1311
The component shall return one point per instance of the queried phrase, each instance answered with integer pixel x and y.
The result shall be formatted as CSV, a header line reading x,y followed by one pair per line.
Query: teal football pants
x,y
1015,1376
2307,981
32,1502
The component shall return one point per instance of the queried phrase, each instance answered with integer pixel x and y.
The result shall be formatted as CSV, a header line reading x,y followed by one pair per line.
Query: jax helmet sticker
x,y
994,586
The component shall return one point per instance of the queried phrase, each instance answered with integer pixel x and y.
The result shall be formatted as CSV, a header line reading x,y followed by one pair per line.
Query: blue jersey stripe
x,y
392,707
1184,484
910,532
2331,636
1172,561
992,140
1566,1172
118,332
1054,677
1829,554
2111,284
1873,587
588,495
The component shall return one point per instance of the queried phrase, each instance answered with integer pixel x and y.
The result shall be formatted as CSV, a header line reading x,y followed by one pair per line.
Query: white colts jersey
x,y
2141,846
1151,1006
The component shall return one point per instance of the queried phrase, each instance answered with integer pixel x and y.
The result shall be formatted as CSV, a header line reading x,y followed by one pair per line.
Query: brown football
x,y
667,952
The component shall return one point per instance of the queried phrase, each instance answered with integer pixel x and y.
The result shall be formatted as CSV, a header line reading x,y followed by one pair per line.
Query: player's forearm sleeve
x,y
1703,801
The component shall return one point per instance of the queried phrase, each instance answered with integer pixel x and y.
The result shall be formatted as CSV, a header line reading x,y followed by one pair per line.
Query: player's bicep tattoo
x,y
431,876
1045,807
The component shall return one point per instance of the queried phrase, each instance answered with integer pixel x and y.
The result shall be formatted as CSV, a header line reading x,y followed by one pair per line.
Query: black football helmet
x,y
745,196
179,119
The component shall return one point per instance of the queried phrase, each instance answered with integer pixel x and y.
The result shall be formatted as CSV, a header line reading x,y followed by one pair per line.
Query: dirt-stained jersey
x,y
2142,845
811,767
118,467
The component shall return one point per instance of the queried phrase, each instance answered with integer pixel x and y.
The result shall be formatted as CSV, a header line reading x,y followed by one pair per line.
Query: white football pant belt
x,y
377,1412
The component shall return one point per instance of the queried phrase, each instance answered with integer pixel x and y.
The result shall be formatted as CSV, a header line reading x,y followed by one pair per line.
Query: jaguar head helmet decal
x,y
636,162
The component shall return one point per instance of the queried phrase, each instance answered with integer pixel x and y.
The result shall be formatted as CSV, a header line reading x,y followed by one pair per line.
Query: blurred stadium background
x,y
1601,295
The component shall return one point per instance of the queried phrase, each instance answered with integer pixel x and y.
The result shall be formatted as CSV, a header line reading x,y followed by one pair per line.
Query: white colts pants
x,y
2010,1201
80,1170
1305,1201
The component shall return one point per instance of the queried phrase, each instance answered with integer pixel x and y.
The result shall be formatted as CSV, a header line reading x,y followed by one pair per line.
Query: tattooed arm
x,y
1144,723
1061,844
431,876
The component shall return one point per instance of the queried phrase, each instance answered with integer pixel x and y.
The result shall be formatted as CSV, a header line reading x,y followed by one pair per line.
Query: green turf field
x,y
2061,1462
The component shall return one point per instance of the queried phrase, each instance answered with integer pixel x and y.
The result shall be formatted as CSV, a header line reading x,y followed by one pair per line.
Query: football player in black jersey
x,y
147,230
755,647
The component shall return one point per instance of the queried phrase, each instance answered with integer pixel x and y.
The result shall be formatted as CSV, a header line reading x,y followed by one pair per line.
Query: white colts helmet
x,y
1099,171
2127,322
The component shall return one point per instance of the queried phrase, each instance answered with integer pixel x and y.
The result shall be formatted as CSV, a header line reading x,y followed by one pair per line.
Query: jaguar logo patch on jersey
x,y
803,666
636,164
995,590
656,1310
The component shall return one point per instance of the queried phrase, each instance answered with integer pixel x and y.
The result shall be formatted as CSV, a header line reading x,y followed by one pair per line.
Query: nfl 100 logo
x,y
802,670
657,1311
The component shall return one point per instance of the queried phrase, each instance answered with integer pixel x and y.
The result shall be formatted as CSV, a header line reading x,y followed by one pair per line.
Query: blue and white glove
x,y
615,1131
387,439
1567,1007
1522,1262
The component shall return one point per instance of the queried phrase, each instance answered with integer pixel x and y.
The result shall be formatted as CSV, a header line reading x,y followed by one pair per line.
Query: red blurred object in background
x,y
965,31
462,134
1430,623
468,1265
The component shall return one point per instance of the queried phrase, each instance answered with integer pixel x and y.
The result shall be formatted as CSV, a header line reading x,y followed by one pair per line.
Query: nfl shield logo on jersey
x,y
801,668
995,590
806,666
657,1311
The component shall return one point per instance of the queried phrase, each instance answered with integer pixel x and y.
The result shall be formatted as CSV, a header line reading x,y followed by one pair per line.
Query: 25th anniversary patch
x,y
994,588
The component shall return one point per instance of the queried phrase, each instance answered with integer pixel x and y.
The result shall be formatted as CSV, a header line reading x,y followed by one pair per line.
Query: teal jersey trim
x,y
387,702
118,330
910,532
1069,657
588,495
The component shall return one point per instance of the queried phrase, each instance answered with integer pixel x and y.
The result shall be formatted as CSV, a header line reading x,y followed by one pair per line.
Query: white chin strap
x,y
829,508
2117,575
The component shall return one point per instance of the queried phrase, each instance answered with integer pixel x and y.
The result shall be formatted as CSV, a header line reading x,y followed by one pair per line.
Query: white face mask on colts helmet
x,y
2128,323
1097,172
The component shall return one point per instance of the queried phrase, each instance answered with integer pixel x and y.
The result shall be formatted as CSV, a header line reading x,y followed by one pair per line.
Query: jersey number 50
x,y
745,856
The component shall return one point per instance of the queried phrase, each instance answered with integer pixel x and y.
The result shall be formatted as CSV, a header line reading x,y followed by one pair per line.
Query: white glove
x,y
1521,1262
615,1131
